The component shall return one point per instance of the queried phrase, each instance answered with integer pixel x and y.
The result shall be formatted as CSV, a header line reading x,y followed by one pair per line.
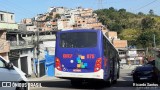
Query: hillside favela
x,y
47,49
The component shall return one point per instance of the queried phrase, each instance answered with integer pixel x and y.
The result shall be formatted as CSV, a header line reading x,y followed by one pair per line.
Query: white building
x,y
59,10
7,20
25,27
7,17
135,56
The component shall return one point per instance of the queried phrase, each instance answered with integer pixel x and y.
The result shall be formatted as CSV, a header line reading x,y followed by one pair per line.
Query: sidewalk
x,y
43,78
129,66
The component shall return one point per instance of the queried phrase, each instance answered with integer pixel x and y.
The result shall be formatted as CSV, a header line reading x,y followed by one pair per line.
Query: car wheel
x,y
157,79
136,81
22,88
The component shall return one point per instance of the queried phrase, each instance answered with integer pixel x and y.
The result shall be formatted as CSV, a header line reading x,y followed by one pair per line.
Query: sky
x,y
30,8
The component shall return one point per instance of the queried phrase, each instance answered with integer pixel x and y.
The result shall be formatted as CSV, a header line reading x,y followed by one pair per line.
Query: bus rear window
x,y
78,39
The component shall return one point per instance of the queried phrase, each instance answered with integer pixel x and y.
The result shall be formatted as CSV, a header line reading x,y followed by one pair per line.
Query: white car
x,y
11,76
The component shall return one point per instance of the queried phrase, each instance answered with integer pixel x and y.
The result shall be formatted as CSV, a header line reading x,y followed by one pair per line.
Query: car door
x,y
7,74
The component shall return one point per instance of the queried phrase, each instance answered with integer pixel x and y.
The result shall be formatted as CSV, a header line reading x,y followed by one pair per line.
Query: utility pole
x,y
34,53
37,49
154,40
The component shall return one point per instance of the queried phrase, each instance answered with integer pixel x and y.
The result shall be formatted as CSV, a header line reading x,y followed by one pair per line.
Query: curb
x,y
44,78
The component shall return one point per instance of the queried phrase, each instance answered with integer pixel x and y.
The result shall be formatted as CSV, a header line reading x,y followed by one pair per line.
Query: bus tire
x,y
76,83
114,81
117,75
109,82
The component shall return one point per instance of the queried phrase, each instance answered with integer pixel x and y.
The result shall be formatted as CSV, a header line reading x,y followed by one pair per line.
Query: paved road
x,y
124,83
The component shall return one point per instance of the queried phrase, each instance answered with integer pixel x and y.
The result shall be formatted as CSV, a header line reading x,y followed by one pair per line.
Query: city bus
x,y
86,55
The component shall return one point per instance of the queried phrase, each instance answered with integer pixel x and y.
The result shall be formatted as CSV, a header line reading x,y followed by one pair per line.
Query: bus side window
x,y
105,46
111,54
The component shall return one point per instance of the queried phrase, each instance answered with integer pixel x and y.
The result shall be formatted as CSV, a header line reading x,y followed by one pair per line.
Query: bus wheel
x,y
109,82
114,81
76,83
117,75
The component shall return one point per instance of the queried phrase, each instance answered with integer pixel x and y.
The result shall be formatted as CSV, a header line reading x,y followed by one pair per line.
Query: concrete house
x,y
120,45
7,21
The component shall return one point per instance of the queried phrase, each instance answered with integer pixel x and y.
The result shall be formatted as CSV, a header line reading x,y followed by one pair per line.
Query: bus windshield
x,y
78,40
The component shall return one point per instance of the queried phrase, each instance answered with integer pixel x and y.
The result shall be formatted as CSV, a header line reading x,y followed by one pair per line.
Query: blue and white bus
x,y
85,54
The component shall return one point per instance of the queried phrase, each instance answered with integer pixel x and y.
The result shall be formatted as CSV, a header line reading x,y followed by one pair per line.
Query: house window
x,y
11,17
1,17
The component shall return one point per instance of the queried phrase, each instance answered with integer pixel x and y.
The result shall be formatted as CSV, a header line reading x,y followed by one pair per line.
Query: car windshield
x,y
2,64
1,59
78,39
144,68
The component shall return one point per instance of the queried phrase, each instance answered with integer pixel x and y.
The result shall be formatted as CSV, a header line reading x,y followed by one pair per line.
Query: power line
x,y
146,5
100,5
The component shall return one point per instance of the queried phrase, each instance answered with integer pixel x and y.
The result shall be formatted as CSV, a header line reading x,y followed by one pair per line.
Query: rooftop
x,y
6,12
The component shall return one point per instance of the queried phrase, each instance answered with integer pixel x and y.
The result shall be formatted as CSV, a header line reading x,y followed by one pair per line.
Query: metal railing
x,y
21,43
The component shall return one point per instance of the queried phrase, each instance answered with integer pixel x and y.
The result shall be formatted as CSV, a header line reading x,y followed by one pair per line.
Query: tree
x,y
138,29
151,12
148,23
57,16
122,10
112,9
146,38
131,35
115,27
48,18
141,13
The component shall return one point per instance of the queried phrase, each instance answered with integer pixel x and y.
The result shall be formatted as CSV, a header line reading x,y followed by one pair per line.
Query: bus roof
x,y
81,30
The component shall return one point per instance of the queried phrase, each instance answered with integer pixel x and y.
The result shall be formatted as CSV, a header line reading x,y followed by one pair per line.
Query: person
x,y
146,60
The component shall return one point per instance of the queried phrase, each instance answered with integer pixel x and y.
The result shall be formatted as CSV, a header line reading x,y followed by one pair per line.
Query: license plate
x,y
76,70
143,78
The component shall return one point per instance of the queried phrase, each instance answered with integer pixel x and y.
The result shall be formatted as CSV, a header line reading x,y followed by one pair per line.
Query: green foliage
x,y
138,29
151,12
141,13
57,16
131,35
148,23
146,39
116,20
48,18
